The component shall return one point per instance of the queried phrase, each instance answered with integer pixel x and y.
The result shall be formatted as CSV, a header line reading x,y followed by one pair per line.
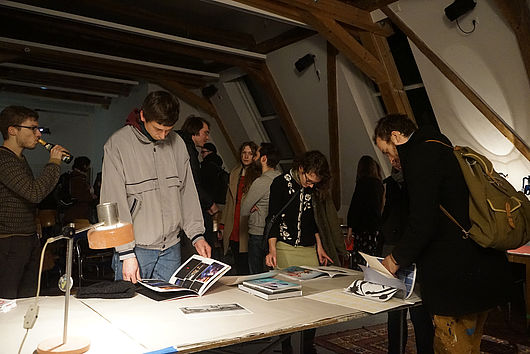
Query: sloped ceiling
x,y
93,51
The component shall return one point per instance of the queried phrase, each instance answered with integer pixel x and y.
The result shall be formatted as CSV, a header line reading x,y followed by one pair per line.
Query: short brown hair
x,y
15,115
315,161
193,124
161,107
393,122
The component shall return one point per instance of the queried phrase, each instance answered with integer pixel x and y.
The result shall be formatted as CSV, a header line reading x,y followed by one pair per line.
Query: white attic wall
x,y
71,125
305,96
358,111
489,60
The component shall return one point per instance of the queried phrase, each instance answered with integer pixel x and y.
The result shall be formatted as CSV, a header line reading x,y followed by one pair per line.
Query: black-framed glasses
x,y
33,128
308,180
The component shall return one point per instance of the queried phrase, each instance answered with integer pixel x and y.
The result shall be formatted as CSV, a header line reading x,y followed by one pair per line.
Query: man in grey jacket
x,y
256,204
146,170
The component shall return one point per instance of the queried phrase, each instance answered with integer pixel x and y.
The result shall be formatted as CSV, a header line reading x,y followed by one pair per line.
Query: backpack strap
x,y
466,233
439,142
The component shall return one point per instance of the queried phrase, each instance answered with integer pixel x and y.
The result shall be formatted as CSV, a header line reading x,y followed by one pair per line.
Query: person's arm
x,y
113,191
34,190
323,257
270,258
276,203
257,190
193,223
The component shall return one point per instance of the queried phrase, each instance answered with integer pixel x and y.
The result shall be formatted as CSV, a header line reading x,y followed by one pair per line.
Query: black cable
x,y
474,22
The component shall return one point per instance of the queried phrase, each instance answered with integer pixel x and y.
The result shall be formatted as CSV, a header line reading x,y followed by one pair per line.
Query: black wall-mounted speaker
x,y
209,91
304,62
459,8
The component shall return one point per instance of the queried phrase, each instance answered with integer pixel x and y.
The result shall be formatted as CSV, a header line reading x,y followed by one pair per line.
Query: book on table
x,y
271,285
310,272
238,279
271,296
192,278
381,285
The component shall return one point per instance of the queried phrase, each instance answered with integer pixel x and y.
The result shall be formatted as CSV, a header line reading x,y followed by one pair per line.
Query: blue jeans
x,y
257,248
153,264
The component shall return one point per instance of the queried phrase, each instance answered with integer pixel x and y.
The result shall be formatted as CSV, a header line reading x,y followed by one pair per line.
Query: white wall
x,y
489,60
72,125
305,96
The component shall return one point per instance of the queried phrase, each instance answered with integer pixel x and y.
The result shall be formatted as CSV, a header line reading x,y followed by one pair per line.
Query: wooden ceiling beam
x,y
392,91
333,124
263,76
7,56
517,14
131,30
294,10
104,41
461,85
53,79
369,5
291,36
169,23
70,96
80,59
339,11
347,45
104,67
27,47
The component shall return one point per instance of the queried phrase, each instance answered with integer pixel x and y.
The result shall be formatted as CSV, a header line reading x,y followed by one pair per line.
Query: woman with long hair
x,y
364,214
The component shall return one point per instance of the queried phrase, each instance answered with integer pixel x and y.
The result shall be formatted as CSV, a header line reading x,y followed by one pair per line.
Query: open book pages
x,y
238,279
267,296
271,285
310,272
196,275
7,305
380,284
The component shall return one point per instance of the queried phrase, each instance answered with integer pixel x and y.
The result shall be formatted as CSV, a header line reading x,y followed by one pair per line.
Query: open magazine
x,y
192,278
309,272
381,285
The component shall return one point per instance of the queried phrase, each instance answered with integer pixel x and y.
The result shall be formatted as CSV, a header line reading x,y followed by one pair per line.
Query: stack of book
x,y
271,288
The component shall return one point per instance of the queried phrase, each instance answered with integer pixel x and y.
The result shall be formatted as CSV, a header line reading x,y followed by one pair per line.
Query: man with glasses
x,y
196,132
303,233
20,193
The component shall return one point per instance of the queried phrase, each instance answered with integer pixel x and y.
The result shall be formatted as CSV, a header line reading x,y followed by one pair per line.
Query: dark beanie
x,y
210,147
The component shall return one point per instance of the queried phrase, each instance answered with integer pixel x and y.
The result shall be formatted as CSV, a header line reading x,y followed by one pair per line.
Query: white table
x,y
140,325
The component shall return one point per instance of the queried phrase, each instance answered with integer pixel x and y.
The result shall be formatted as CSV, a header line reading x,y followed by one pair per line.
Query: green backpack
x,y
500,216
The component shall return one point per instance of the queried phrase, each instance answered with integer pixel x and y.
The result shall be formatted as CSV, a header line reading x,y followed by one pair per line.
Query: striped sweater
x,y
20,192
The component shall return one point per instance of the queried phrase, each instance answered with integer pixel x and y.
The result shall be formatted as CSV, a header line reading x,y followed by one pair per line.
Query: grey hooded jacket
x,y
153,185
258,195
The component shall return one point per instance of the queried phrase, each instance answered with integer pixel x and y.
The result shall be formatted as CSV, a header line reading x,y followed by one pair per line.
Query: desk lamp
x,y
110,232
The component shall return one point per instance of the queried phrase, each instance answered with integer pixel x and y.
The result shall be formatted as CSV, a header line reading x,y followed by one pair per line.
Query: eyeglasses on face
x,y
308,180
33,128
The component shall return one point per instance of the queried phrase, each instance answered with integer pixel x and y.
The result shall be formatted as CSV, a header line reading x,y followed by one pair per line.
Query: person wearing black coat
x,y
364,214
211,170
394,221
461,281
195,132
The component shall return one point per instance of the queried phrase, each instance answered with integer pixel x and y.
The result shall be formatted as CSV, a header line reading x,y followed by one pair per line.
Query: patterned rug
x,y
373,339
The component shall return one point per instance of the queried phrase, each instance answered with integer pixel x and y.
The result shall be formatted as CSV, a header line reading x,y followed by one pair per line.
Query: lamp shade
x,y
110,236
112,232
